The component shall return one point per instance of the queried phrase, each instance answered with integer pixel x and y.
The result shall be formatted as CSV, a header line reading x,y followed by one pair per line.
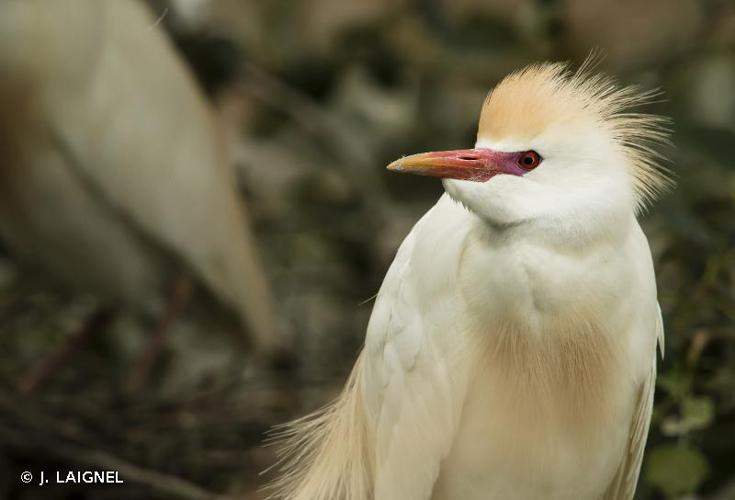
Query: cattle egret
x,y
511,353
111,162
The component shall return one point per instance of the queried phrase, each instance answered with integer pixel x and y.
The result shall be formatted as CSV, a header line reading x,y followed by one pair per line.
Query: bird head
x,y
554,145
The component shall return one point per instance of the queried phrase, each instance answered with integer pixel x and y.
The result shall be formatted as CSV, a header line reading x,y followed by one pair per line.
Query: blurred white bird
x,y
111,161
511,353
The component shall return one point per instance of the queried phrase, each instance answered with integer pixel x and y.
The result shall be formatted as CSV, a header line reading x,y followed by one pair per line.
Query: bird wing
x,y
146,141
412,394
625,481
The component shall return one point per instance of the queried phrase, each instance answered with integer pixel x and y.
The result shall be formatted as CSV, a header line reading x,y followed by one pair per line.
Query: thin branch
x,y
323,127
25,429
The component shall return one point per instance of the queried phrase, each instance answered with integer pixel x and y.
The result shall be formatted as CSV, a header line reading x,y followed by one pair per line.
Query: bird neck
x,y
564,216
531,275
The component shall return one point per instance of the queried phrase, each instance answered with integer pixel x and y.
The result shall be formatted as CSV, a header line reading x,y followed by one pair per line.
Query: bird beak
x,y
466,164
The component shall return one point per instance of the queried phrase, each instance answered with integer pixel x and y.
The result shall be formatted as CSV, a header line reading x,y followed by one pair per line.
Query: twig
x,y
323,127
164,483
57,359
32,431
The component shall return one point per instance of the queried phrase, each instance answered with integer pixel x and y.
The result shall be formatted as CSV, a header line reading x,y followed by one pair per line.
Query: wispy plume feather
x,y
325,456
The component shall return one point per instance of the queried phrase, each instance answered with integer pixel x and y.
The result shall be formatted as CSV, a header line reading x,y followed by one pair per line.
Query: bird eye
x,y
529,160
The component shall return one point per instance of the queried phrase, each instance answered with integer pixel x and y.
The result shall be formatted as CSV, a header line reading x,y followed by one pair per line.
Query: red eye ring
x,y
529,160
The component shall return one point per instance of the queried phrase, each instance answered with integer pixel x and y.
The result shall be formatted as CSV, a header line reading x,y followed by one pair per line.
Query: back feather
x,y
326,455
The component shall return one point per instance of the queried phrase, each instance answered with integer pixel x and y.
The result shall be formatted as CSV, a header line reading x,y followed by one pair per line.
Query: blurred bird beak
x,y
466,164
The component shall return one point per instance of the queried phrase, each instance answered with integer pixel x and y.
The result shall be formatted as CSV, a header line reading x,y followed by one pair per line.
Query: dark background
x,y
319,95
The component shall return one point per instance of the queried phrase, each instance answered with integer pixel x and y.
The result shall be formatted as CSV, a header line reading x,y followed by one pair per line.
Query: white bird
x,y
111,161
511,353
